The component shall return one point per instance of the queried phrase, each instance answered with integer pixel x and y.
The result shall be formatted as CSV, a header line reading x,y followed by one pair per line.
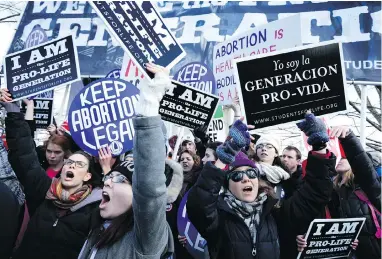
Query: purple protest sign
x,y
197,75
114,74
195,242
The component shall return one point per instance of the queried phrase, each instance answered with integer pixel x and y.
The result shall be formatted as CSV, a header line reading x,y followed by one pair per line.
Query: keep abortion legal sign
x,y
41,68
101,115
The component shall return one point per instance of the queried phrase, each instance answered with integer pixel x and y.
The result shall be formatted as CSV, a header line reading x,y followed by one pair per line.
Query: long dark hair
x,y
117,229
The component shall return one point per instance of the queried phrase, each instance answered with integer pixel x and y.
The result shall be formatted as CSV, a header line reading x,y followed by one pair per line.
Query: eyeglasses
x,y
238,176
120,178
78,164
267,146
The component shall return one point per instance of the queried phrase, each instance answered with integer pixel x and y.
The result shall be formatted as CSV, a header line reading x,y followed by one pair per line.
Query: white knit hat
x,y
268,139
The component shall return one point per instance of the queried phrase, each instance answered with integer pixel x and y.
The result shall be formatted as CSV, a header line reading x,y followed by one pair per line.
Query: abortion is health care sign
x,y
141,32
101,114
195,242
41,68
280,87
331,238
198,76
268,38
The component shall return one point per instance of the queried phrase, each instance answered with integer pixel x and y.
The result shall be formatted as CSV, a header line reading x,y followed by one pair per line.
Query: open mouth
x,y
69,174
248,189
264,154
105,199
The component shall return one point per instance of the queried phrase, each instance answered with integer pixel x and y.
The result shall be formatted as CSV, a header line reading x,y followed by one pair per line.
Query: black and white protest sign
x,y
43,109
141,31
216,130
279,88
41,68
101,115
331,238
187,106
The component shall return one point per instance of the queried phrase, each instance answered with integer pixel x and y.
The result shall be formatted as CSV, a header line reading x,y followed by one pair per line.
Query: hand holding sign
x,y
6,101
105,159
152,93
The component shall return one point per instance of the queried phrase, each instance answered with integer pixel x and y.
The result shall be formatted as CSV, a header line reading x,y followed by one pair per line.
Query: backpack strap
x,y
362,196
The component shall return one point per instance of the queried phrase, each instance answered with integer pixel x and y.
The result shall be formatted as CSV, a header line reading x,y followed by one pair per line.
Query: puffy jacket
x,y
52,233
227,235
345,203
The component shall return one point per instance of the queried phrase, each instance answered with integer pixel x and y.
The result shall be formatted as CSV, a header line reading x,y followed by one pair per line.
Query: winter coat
x,y
52,232
345,203
293,183
9,220
151,236
226,233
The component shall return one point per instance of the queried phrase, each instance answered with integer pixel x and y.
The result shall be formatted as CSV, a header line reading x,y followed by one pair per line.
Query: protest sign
x,y
114,74
187,106
274,36
101,114
279,88
41,68
130,72
42,112
198,76
141,31
36,37
331,238
195,242
216,130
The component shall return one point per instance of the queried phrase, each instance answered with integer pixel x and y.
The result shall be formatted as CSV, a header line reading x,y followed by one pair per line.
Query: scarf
x,y
62,199
274,174
250,212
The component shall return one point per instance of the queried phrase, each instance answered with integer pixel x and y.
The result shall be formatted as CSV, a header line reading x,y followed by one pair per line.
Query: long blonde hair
x,y
346,179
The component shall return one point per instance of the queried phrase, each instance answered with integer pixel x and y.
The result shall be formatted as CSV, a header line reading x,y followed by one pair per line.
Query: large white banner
x,y
274,36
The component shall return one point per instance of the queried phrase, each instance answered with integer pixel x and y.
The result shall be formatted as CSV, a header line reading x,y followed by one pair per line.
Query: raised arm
x,y
361,165
22,155
152,233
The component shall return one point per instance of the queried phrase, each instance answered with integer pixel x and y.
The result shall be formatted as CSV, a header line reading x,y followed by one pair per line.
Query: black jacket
x,y
9,221
51,233
226,233
293,183
345,203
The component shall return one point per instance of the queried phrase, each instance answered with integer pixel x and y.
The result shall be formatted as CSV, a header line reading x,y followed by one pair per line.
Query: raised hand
x,y
314,129
339,131
301,243
105,159
7,101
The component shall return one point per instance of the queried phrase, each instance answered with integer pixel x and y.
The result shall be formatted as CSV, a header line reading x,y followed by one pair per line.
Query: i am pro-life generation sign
x,y
279,88
141,32
101,115
331,238
41,68
187,106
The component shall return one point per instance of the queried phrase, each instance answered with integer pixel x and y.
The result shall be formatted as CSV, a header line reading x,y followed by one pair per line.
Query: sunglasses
x,y
78,164
120,178
238,176
267,146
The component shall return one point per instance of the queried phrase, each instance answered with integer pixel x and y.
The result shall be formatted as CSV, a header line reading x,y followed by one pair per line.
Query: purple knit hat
x,y
242,159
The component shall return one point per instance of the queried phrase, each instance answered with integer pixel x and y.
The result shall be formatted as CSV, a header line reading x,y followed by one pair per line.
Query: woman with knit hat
x,y
244,220
132,219
268,161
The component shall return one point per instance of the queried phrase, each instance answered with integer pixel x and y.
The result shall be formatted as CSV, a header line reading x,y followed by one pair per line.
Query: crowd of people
x,y
247,198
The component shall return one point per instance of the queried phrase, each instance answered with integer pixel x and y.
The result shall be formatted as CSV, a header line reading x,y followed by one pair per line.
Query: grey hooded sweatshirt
x,y
151,236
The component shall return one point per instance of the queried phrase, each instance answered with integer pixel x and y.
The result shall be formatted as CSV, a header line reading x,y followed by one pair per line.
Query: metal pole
x,y
178,141
363,83
363,116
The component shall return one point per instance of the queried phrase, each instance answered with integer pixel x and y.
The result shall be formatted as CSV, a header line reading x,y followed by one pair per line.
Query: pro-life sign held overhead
x,y
279,88
331,238
141,31
101,115
187,106
42,112
41,68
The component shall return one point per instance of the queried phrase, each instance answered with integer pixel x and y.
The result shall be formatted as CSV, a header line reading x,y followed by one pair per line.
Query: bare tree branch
x,y
373,111
375,125
375,147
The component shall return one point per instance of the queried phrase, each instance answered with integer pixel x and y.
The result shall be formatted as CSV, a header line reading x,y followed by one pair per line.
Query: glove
x,y
11,107
152,93
238,138
200,133
315,130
